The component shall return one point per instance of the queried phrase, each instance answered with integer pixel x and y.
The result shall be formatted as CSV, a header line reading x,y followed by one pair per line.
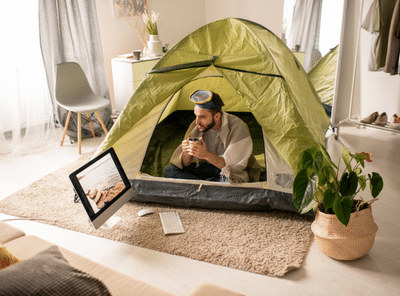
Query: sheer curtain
x,y
26,109
69,32
305,30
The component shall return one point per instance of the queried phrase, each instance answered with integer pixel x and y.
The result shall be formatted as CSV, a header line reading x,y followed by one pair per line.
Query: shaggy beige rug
x,y
269,243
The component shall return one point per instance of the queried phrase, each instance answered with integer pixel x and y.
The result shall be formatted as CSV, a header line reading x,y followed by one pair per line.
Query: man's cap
x,y
203,99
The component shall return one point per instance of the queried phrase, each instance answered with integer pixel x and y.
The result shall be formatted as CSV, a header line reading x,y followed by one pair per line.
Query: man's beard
x,y
210,126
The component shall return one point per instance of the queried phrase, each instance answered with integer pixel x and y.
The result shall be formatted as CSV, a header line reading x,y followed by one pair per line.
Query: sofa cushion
x,y
48,273
8,233
27,246
6,258
117,282
211,289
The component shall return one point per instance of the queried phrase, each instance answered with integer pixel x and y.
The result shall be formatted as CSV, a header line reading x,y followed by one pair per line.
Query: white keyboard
x,y
171,223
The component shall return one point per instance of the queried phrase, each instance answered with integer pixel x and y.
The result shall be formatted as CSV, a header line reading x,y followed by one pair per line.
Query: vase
x,y
345,243
154,48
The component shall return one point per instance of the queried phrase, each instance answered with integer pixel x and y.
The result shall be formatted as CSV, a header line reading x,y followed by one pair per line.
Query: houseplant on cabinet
x,y
344,227
154,47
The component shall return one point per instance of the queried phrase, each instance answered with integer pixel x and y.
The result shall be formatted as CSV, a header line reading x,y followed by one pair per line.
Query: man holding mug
x,y
217,145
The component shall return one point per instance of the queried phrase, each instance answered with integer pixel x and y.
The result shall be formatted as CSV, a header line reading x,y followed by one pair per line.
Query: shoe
x,y
370,119
381,120
395,122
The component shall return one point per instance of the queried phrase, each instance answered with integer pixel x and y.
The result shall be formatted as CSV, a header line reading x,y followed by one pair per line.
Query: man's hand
x,y
185,146
193,148
197,149
186,158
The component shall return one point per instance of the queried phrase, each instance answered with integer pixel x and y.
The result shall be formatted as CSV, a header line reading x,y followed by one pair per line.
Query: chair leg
x,y
90,124
79,132
66,127
101,122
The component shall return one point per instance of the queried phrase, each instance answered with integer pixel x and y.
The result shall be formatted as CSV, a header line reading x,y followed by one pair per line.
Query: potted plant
x,y
154,47
344,228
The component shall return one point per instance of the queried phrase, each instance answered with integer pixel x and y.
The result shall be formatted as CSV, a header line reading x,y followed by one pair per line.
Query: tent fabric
x,y
237,198
323,76
252,70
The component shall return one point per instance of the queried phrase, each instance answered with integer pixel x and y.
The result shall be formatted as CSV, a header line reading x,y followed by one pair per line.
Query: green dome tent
x,y
323,76
255,74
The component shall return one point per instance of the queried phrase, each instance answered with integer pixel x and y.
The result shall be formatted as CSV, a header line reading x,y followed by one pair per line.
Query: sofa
x,y
42,268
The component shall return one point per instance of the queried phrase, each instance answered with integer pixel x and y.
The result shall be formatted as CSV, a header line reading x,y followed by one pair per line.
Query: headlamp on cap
x,y
203,99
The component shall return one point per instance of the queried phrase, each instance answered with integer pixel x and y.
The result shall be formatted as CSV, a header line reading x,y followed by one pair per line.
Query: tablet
x,y
102,186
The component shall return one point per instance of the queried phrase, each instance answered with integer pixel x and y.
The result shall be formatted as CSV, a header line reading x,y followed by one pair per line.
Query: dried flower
x,y
368,155
151,22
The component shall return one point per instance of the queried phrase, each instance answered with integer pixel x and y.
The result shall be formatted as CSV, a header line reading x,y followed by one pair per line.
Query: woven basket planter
x,y
345,243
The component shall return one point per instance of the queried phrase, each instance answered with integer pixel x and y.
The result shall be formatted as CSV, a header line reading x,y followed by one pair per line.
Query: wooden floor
x,y
377,273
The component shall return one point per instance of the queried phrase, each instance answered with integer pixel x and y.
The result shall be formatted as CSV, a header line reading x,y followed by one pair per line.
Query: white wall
x,y
117,37
268,13
178,18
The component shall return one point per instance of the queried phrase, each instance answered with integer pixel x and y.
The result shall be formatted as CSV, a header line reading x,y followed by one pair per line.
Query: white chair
x,y
74,94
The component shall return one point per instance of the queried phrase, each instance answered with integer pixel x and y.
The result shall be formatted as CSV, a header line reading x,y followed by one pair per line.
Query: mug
x,y
136,54
194,139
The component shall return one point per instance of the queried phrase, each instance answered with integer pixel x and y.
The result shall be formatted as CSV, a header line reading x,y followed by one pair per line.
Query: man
x,y
217,146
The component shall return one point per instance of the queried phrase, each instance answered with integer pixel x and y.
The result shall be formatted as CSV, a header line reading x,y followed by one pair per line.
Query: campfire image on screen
x,y
105,194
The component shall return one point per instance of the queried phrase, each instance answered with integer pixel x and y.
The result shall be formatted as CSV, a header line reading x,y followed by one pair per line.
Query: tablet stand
x,y
110,222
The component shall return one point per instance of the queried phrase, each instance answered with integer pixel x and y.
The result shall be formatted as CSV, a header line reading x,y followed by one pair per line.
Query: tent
x,y
258,78
323,76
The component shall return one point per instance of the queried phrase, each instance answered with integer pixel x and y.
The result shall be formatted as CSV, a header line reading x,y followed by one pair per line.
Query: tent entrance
x,y
151,187
169,134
